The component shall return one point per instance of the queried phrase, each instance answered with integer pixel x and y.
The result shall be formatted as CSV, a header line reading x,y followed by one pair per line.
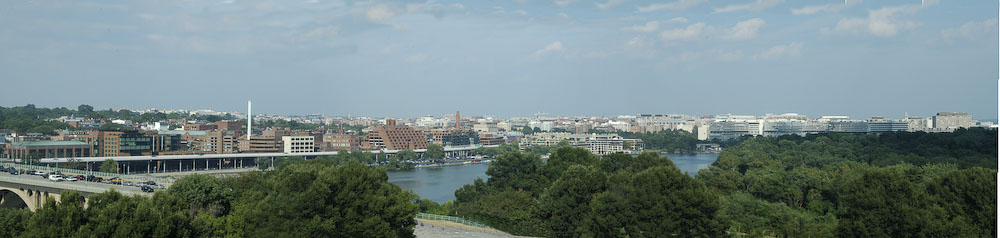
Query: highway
x,y
7,179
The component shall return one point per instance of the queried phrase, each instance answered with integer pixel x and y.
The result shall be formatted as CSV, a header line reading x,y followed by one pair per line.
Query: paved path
x,y
444,229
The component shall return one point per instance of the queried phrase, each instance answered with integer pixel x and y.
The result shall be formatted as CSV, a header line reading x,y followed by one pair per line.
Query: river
x,y
439,183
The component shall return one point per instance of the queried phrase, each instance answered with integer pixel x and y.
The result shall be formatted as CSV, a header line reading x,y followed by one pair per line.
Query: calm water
x,y
439,184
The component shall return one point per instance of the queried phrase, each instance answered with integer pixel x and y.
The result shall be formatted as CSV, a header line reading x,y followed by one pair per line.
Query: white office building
x,y
298,144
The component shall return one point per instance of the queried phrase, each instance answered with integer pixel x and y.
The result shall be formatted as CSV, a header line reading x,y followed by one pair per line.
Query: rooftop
x,y
176,132
50,143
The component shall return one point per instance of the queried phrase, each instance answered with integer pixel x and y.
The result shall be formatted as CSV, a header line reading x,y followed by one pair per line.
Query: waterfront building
x,y
336,141
49,149
452,137
395,137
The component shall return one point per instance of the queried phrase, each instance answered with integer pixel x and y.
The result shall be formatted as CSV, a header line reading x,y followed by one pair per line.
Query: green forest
x,y
314,198
827,185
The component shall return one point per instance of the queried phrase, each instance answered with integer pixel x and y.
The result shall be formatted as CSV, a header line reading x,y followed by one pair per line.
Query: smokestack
x,y
458,119
249,120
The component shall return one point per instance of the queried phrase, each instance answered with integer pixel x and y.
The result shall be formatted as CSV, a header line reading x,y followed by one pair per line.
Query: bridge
x,y
31,191
194,162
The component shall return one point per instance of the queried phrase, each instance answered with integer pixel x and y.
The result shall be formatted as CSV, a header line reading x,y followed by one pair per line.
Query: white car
x,y
56,177
70,178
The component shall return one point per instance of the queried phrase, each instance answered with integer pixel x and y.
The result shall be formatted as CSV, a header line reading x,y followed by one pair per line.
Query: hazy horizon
x,y
506,58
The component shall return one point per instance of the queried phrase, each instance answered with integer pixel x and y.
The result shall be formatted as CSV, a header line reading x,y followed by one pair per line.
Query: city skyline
x,y
390,58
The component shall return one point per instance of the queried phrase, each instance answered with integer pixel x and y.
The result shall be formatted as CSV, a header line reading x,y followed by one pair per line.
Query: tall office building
x,y
952,120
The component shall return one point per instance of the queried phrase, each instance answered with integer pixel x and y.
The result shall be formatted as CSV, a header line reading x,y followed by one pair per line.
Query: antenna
x,y
249,119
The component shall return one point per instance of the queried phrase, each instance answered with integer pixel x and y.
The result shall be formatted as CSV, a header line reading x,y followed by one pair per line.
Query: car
x,y
68,178
140,184
44,175
147,189
31,172
160,186
14,172
128,183
56,177
80,177
150,182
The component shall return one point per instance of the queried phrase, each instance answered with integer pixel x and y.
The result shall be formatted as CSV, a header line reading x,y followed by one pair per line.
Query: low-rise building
x,y
395,137
298,144
49,149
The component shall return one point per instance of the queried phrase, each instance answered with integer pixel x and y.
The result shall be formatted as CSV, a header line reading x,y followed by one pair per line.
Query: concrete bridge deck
x,y
31,191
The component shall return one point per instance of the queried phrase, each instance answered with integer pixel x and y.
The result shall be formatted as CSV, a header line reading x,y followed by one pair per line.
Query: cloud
x,y
417,58
674,6
780,51
730,55
382,12
678,19
609,4
813,9
635,43
551,48
688,33
882,22
743,30
521,12
971,30
320,34
564,3
754,6
648,27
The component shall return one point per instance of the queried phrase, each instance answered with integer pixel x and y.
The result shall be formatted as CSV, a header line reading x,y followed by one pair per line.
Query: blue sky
x,y
505,58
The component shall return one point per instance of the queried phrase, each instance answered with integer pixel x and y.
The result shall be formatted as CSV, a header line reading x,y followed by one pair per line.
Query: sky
x,y
505,58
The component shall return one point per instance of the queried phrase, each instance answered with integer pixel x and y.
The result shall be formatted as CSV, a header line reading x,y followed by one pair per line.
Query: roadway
x,y
235,156
9,180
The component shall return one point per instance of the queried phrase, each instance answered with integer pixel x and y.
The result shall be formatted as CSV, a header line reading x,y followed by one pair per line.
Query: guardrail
x,y
87,172
428,216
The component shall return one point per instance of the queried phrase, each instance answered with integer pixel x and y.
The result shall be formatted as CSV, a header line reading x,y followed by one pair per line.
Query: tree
x,y
111,127
672,204
85,109
562,158
203,193
60,219
971,194
434,151
316,199
214,118
32,158
884,203
109,166
14,221
568,200
406,155
563,143
519,172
